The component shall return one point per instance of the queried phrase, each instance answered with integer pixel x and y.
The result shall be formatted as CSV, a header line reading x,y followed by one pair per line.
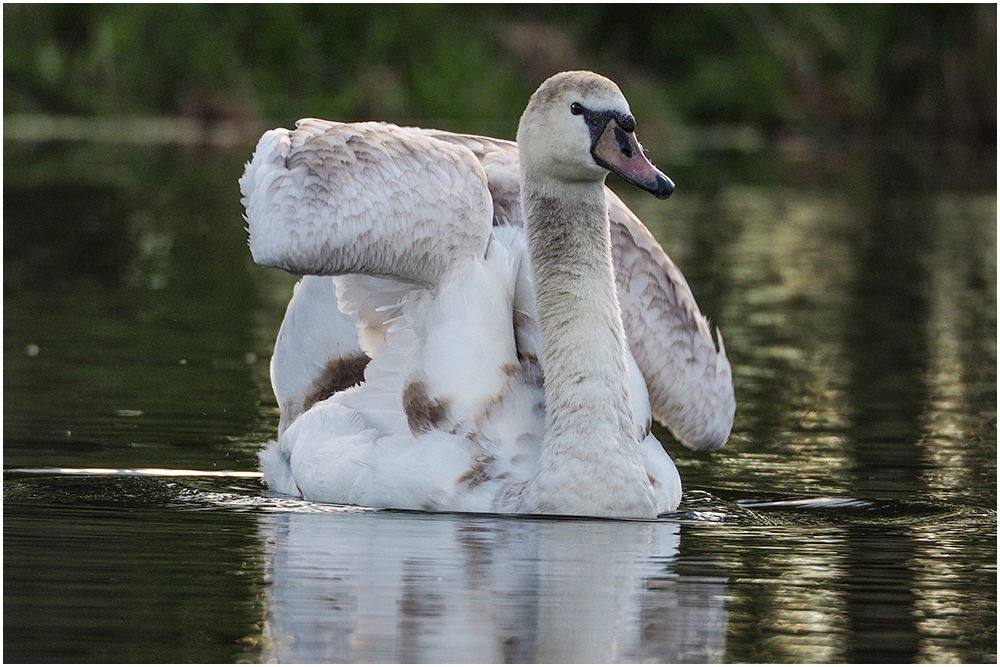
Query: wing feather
x,y
335,198
690,381
317,351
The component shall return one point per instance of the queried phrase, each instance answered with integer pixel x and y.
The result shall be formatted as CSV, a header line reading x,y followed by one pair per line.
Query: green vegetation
x,y
926,70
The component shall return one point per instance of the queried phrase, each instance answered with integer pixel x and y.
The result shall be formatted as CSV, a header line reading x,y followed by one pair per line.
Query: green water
x,y
851,517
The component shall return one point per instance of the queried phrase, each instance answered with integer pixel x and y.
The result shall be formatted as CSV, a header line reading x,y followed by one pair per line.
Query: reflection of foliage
x,y
126,267
930,68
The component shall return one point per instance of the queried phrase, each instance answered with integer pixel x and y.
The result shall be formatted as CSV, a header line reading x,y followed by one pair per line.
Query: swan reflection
x,y
359,586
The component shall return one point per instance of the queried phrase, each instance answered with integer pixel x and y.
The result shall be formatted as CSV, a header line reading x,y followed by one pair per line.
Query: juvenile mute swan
x,y
490,341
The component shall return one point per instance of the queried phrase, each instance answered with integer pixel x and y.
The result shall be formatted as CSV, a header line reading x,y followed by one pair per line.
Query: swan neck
x,y
590,461
583,340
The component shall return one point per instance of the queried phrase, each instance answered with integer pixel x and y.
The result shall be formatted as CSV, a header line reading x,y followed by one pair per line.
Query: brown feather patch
x,y
338,375
423,414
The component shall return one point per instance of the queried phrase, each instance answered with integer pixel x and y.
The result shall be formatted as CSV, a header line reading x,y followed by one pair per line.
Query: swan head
x,y
577,127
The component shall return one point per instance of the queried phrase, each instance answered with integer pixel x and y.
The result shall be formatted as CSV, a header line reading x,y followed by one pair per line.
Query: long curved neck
x,y
590,437
583,341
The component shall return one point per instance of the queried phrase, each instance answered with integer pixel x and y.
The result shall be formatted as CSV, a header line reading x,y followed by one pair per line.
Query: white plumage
x,y
411,370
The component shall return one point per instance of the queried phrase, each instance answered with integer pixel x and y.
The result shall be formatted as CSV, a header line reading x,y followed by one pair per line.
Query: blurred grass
x,y
784,70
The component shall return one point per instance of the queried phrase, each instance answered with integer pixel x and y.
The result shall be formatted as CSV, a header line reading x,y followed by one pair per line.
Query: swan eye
x,y
576,108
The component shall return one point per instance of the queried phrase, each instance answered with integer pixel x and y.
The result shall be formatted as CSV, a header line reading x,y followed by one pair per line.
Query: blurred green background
x,y
900,71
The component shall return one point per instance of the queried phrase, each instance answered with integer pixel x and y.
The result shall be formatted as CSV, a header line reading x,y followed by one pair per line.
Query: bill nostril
x,y
624,143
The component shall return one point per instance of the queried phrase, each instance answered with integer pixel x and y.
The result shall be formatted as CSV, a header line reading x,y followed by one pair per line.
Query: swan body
x,y
481,326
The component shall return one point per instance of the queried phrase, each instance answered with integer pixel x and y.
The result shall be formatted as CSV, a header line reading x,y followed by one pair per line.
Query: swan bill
x,y
620,152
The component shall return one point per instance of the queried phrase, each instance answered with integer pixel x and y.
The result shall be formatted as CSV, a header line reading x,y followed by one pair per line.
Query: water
x,y
851,517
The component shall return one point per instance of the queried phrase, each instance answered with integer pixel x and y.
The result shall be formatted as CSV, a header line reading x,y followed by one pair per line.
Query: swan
x,y
482,326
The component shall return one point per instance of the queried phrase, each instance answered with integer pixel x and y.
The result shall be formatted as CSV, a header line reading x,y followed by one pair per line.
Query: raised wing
x,y
499,158
335,198
690,381
332,199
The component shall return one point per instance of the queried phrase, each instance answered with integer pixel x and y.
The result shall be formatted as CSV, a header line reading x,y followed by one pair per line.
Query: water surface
x,y
851,517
